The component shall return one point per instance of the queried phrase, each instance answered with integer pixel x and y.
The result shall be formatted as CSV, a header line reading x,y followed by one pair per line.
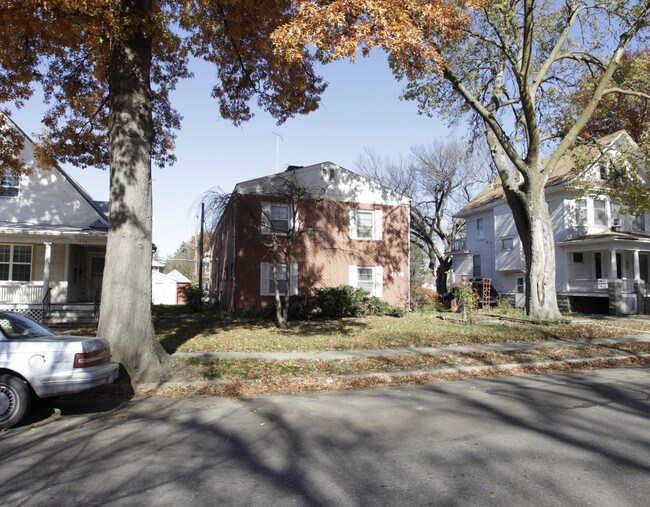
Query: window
x,y
16,263
9,186
638,222
507,243
276,218
480,231
267,286
581,212
600,212
578,257
476,266
366,224
368,278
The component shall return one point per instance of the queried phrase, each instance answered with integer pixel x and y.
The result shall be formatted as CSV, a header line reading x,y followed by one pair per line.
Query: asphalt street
x,y
557,439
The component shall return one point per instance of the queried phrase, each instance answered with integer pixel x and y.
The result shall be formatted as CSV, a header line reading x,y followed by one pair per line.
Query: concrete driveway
x,y
559,439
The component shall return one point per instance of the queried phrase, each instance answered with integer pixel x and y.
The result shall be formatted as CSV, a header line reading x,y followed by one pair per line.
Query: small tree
x,y
439,178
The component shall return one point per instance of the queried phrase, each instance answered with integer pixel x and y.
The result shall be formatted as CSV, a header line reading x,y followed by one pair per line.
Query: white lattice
x,y
33,313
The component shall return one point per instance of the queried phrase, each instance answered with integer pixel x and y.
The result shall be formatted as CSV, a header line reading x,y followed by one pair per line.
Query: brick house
x,y
347,229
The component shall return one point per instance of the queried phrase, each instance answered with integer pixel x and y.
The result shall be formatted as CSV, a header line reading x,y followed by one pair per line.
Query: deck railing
x,y
458,245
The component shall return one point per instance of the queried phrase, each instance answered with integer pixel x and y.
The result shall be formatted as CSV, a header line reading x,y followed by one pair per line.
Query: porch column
x,y
46,267
637,266
613,273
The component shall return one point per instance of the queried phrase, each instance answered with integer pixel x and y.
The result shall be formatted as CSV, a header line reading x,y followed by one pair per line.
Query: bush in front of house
x,y
422,297
341,301
193,295
334,303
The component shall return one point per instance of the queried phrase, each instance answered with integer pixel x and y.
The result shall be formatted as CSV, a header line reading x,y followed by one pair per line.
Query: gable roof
x,y
562,174
52,200
324,180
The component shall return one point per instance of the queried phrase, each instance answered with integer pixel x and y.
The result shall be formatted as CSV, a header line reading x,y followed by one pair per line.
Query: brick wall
x,y
323,255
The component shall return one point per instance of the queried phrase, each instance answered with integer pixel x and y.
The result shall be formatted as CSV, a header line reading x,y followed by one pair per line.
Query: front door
x,y
520,293
96,274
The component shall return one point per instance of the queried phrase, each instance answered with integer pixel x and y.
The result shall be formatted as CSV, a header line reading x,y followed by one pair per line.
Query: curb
x,y
124,389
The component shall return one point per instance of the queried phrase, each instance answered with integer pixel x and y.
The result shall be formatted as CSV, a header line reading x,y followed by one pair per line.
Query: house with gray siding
x,y
602,254
52,239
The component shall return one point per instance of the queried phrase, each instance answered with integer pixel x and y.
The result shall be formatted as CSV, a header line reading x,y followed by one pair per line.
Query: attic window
x,y
329,174
9,186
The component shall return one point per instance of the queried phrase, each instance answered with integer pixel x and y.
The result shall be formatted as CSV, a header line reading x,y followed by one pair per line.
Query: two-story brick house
x,y
602,255
349,231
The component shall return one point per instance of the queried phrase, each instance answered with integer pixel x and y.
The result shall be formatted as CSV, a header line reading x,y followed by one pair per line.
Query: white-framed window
x,y
638,222
581,212
368,278
267,287
9,186
578,257
600,212
15,263
480,229
277,219
476,266
366,224
507,243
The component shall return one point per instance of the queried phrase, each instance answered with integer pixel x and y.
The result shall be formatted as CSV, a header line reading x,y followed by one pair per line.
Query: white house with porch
x,y
602,255
52,241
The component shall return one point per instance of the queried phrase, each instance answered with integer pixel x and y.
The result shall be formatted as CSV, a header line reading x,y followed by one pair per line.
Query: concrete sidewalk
x,y
333,355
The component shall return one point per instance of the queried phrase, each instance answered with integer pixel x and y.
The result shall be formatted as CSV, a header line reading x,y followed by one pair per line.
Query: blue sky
x,y
360,109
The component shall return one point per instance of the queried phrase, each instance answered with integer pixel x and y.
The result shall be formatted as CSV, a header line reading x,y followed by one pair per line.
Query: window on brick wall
x,y
15,263
368,278
267,286
277,219
366,224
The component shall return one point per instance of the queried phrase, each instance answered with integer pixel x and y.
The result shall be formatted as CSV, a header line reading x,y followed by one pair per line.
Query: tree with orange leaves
x,y
107,68
508,65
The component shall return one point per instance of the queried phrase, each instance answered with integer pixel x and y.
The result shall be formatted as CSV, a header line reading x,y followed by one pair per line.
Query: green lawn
x,y
209,331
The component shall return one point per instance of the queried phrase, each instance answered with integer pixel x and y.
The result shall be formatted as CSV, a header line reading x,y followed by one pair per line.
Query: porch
x,y
50,273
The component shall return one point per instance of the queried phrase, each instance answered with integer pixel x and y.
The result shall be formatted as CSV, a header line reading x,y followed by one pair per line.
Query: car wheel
x,y
14,400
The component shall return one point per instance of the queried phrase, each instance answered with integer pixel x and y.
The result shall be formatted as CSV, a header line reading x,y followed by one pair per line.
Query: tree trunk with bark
x,y
125,317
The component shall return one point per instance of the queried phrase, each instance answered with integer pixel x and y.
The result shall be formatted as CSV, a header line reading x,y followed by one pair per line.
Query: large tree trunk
x,y
125,317
530,212
441,275
536,232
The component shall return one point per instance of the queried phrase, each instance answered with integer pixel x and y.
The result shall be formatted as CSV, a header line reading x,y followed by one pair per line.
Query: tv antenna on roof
x,y
278,138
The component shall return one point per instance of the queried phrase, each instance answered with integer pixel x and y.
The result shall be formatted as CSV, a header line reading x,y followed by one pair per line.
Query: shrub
x,y
467,299
421,297
341,301
193,295
301,307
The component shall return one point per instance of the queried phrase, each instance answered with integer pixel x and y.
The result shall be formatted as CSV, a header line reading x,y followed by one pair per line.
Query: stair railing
x,y
97,303
46,305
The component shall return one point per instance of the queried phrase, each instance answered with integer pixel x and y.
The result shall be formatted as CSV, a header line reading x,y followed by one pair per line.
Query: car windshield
x,y
14,325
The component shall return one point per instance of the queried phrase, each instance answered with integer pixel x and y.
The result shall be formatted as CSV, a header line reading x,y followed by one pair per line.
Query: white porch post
x,y
637,266
46,267
613,274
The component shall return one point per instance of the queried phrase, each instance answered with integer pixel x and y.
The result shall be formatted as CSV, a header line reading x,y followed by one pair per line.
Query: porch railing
x,y
21,293
627,286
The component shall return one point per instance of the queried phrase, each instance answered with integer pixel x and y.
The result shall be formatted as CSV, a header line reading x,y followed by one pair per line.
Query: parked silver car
x,y
36,361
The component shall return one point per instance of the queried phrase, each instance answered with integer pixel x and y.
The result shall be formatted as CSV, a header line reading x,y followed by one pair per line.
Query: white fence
x,y
21,293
